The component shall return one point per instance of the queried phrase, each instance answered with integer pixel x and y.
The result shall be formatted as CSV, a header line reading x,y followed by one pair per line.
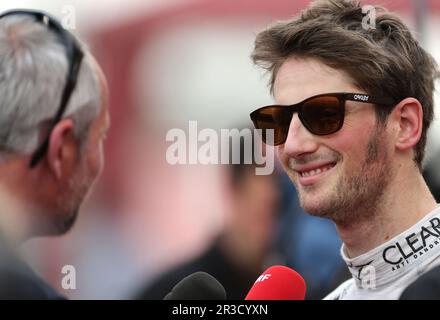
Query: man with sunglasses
x,y
53,119
353,106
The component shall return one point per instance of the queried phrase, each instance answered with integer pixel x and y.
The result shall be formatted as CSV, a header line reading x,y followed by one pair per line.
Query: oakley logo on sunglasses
x,y
361,97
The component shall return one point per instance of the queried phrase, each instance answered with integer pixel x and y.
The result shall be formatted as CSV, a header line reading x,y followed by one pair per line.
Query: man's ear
x,y
63,148
408,117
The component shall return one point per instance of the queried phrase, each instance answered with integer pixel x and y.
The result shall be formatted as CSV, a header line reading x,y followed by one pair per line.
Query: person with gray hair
x,y
53,120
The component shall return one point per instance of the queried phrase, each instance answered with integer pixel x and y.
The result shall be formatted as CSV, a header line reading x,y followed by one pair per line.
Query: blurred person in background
x,y
47,163
354,104
238,255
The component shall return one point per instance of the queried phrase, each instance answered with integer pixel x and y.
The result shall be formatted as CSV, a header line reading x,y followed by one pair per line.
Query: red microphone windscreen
x,y
278,283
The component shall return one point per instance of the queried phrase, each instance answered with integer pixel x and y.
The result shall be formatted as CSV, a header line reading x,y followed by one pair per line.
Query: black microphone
x,y
197,286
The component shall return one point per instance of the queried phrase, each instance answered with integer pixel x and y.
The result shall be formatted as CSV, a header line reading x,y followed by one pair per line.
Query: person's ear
x,y
408,117
63,148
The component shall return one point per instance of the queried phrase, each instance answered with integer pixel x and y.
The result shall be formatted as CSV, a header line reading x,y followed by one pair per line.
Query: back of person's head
x,y
33,67
246,153
381,56
241,157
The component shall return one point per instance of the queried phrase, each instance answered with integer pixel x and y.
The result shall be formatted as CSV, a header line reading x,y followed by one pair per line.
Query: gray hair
x,y
33,67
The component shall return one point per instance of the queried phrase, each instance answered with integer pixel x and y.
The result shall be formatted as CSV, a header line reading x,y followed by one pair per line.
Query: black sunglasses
x,y
321,114
74,57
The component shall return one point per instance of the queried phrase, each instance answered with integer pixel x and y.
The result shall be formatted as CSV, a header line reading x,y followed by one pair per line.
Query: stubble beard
x,y
356,197
79,188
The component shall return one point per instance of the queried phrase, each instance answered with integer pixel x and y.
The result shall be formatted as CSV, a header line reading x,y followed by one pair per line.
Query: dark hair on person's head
x,y
245,163
385,61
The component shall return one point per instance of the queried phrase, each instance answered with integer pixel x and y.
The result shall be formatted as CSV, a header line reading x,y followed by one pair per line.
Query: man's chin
x,y
316,207
314,210
56,227
63,223
68,222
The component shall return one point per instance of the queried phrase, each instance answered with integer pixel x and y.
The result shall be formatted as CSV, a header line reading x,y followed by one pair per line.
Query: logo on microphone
x,y
263,277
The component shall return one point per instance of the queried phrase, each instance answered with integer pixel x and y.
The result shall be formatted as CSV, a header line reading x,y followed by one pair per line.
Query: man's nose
x,y
299,140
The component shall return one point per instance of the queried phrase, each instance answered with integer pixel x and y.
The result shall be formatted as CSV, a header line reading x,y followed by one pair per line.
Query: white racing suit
x,y
385,272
